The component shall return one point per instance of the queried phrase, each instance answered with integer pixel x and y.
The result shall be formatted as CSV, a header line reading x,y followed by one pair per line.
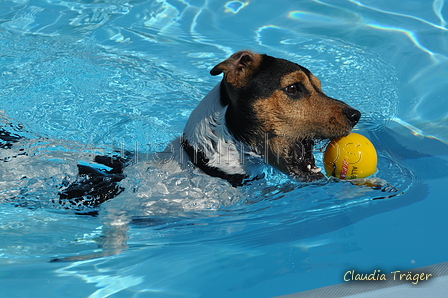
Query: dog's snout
x,y
352,116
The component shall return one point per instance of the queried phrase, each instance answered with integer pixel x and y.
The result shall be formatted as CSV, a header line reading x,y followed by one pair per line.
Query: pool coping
x,y
388,285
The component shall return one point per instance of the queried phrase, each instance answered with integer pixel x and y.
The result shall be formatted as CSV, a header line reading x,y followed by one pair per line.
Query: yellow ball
x,y
350,157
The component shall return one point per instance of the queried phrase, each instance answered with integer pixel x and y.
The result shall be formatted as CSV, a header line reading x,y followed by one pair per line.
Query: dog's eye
x,y
293,90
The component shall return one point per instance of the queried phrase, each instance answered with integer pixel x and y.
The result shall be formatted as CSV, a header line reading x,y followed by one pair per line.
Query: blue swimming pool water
x,y
84,77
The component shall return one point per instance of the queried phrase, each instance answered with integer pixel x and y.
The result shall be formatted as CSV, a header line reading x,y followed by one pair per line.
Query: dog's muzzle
x,y
301,163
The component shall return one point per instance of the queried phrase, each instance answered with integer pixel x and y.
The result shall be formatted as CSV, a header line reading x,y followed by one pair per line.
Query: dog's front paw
x,y
374,183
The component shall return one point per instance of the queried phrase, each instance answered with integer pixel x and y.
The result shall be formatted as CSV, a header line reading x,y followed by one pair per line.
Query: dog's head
x,y
278,108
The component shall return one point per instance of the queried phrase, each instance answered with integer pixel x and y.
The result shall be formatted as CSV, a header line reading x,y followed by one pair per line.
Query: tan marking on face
x,y
287,120
293,77
300,76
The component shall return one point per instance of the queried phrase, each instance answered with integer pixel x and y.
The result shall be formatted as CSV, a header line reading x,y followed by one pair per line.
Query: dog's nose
x,y
352,116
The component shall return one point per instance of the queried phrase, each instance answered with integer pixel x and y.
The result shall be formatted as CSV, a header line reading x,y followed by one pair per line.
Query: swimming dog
x,y
264,109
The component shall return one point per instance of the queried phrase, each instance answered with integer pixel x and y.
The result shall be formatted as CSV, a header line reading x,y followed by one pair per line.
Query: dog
x,y
265,110
272,106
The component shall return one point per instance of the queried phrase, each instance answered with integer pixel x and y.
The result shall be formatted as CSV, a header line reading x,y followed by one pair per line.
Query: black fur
x,y
7,139
95,186
199,159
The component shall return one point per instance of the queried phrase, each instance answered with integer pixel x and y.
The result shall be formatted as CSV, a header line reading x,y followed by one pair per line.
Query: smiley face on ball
x,y
350,157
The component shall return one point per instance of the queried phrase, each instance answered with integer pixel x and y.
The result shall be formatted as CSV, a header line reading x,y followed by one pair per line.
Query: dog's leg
x,y
374,183
113,239
7,139
112,242
94,186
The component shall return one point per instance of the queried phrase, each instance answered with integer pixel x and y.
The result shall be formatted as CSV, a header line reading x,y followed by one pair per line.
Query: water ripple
x,y
437,9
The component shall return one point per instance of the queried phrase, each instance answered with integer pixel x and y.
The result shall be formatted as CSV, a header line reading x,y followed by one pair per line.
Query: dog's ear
x,y
238,67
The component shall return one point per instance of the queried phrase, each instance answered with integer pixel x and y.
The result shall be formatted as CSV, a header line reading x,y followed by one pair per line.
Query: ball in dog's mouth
x,y
302,163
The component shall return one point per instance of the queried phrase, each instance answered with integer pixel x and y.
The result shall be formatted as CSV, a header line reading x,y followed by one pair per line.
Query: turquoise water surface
x,y
80,78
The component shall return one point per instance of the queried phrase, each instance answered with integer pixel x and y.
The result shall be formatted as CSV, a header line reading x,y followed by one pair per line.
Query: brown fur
x,y
286,120
313,116
238,68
